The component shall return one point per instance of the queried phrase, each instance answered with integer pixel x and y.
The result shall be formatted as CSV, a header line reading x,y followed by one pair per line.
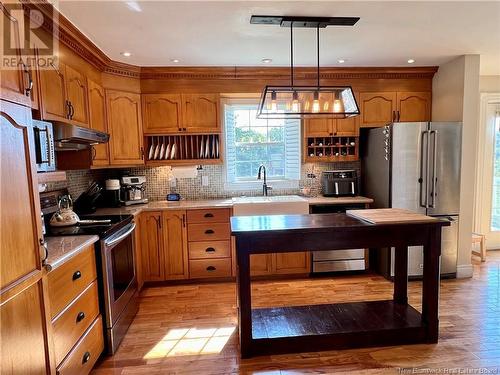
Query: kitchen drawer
x,y
216,215
70,325
210,249
70,279
202,268
209,232
86,352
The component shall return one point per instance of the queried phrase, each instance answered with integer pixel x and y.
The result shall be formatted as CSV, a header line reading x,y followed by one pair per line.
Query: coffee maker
x,y
133,190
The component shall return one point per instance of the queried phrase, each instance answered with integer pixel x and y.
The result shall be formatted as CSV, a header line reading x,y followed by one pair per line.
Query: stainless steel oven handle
x,y
113,240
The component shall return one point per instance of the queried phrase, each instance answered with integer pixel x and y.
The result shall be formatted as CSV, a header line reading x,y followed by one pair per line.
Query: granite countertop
x,y
215,203
60,249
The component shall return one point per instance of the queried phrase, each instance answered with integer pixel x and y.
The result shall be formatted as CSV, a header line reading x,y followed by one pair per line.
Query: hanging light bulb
x,y
295,102
274,106
315,106
338,104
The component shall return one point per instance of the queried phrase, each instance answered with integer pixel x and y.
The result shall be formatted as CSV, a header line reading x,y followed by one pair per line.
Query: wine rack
x,y
330,149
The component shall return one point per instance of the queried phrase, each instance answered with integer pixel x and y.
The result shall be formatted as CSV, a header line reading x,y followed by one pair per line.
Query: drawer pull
x,y
85,358
209,215
80,316
210,250
211,268
209,231
77,275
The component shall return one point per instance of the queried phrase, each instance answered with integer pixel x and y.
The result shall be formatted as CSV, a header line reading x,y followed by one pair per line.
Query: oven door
x,y
118,265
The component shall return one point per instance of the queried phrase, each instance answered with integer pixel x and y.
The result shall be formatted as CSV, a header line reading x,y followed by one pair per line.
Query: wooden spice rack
x,y
190,149
331,149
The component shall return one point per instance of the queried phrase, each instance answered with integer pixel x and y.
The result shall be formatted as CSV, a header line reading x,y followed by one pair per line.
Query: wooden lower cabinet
x,y
24,340
164,252
151,237
280,264
175,244
84,355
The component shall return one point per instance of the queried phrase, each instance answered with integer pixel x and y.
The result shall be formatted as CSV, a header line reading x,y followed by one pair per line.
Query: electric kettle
x,y
65,216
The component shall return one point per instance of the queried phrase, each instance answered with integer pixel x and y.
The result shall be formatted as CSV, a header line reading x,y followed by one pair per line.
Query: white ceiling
x,y
208,33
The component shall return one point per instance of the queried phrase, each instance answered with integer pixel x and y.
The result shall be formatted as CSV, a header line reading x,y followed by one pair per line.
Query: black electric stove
x,y
103,230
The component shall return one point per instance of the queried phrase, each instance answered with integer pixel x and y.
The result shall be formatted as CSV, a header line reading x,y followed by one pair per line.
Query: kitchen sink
x,y
270,205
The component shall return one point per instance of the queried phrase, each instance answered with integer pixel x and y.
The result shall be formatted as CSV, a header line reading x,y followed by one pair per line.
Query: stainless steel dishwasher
x,y
337,260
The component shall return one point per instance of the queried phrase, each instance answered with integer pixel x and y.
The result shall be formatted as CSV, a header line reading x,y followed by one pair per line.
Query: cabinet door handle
x,y
142,152
29,86
211,268
183,220
209,231
94,153
71,110
80,316
393,116
158,222
77,275
210,250
208,215
85,358
399,116
68,110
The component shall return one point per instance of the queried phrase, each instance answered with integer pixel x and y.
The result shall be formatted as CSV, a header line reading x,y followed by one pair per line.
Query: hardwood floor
x,y
193,329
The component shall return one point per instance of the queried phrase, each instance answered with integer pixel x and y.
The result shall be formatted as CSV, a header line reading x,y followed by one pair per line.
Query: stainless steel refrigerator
x,y
416,166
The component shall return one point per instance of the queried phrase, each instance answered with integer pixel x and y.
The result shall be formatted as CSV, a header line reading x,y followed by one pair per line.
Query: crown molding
x,y
76,41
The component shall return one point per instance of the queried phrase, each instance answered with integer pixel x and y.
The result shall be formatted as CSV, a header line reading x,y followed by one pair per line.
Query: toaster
x,y
341,183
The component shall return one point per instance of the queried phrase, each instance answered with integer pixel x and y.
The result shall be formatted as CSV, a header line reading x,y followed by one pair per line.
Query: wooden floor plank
x,y
469,313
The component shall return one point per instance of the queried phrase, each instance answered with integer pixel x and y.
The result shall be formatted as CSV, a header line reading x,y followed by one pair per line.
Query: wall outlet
x,y
421,266
173,182
204,180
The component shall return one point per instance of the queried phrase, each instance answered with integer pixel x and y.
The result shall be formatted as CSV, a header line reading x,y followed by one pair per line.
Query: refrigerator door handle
x,y
424,202
434,168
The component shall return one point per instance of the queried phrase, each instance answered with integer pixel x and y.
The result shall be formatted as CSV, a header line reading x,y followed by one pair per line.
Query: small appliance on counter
x,y
112,194
340,183
133,190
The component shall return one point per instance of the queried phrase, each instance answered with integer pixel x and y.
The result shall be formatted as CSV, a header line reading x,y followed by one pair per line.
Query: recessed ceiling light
x,y
341,61
267,61
175,60
126,54
411,61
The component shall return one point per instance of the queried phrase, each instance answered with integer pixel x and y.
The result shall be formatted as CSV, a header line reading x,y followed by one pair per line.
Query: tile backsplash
x,y
158,181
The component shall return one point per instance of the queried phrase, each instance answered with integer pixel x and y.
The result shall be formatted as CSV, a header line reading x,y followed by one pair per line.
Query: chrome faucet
x,y
265,188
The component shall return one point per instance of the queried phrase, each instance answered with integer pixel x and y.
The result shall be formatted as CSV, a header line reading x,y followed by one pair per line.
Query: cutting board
x,y
389,216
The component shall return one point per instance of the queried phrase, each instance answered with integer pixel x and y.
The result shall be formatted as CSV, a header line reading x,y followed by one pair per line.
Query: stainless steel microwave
x,y
45,155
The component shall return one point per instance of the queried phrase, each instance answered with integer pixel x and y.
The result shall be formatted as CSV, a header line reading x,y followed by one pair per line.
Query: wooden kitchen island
x,y
343,325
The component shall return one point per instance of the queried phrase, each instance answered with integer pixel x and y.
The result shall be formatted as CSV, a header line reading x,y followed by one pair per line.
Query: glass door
x,y
488,179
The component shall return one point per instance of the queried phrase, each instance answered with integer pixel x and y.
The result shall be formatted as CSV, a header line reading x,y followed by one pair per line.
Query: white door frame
x,y
484,177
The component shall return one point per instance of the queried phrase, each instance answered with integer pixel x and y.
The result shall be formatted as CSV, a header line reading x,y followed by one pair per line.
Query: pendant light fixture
x,y
306,101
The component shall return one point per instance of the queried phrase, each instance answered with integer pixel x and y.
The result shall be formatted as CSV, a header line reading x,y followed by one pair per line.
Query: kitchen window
x,y
251,142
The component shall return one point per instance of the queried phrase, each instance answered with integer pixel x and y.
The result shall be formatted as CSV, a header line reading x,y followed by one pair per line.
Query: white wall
x,y
455,97
489,84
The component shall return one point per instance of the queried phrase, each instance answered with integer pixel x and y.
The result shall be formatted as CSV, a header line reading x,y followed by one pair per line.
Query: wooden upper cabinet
x,y
12,80
175,244
53,93
200,113
319,127
162,113
413,106
377,108
76,94
20,250
152,254
347,126
123,111
97,121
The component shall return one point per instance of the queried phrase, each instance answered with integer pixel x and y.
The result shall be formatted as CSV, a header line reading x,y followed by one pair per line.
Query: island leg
x,y
430,292
244,298
401,275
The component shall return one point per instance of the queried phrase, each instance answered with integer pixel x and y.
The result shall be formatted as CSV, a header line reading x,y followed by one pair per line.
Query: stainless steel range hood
x,y
69,137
